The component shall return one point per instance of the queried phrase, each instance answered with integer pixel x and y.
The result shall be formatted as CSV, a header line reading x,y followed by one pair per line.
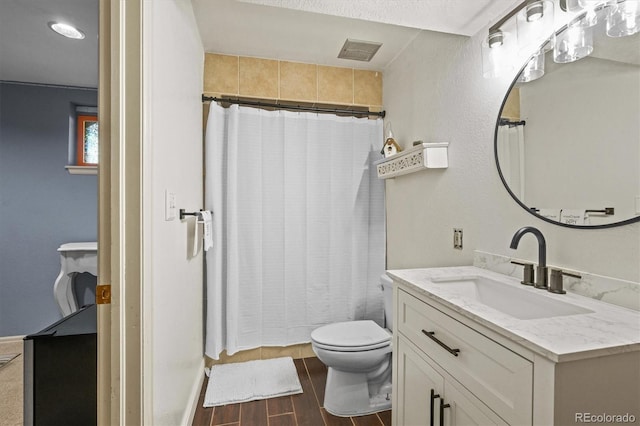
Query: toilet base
x,y
347,394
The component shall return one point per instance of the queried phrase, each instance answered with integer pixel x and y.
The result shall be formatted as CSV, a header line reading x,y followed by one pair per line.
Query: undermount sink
x,y
509,299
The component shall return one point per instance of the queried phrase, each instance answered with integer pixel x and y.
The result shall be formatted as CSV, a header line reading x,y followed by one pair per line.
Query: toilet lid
x,y
351,334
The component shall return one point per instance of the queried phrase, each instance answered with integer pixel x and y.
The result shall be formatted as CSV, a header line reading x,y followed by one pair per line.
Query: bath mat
x,y
251,380
5,359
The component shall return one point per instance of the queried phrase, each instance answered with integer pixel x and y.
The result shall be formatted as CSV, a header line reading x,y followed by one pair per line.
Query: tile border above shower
x,y
606,289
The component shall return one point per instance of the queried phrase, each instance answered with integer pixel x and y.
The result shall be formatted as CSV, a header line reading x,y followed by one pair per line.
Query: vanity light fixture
x,y
66,30
504,43
535,27
622,18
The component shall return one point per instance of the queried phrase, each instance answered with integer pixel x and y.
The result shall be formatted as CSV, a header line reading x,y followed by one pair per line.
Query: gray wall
x,y
41,205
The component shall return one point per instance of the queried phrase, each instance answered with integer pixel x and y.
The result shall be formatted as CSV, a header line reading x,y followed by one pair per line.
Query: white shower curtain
x,y
511,157
298,225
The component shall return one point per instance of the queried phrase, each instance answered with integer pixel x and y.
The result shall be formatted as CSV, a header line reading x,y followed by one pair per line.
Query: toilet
x,y
358,356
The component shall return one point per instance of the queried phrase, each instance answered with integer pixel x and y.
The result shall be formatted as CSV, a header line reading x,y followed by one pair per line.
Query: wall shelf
x,y
424,156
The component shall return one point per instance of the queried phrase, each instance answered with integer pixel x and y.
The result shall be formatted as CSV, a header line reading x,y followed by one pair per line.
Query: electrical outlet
x,y
457,238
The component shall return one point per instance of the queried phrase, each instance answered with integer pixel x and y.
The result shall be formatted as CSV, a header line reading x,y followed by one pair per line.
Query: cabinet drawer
x,y
497,376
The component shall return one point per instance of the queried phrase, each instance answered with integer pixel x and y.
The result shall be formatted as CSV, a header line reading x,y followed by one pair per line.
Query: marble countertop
x,y
608,329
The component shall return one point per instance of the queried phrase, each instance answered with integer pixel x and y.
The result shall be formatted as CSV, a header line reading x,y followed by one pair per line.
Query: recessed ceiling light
x,y
66,30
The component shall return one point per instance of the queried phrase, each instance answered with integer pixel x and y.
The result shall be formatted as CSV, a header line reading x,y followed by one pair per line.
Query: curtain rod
x,y
293,107
507,122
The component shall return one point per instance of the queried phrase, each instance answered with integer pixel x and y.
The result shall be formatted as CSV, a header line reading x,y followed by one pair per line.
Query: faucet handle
x,y
527,276
555,280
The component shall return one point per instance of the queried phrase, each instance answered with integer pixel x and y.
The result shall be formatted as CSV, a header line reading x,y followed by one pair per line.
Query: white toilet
x,y
358,354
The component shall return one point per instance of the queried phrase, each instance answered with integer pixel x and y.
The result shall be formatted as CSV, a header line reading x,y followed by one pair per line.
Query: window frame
x,y
81,119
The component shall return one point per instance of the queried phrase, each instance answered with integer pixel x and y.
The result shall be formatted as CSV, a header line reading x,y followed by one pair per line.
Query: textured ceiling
x,y
315,30
464,17
297,30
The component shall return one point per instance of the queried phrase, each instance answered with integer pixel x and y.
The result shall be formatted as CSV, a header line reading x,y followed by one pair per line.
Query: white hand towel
x,y
207,234
553,214
572,216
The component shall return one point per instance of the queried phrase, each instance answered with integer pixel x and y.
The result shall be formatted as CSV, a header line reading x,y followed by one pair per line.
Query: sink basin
x,y
509,299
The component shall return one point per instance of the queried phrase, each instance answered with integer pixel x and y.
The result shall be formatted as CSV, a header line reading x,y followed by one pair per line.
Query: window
x,y
87,140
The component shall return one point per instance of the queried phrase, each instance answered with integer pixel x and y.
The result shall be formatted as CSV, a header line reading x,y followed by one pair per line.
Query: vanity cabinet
x,y
430,397
484,377
449,369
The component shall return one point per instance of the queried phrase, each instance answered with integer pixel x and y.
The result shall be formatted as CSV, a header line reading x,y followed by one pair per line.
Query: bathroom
x,y
433,91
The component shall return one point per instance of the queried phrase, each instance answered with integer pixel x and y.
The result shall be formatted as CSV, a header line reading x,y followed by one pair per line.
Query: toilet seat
x,y
351,336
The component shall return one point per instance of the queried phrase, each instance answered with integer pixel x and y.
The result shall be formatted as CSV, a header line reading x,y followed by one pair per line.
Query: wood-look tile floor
x,y
303,409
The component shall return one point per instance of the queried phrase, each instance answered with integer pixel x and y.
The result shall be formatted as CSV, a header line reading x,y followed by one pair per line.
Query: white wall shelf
x,y
424,156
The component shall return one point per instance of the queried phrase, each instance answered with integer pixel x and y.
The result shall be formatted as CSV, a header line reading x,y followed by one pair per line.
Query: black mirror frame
x,y
504,182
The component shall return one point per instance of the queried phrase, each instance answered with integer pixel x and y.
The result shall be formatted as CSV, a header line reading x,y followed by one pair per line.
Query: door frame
x,y
120,108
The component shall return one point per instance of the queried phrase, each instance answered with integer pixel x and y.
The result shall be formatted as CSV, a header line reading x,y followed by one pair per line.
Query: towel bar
x,y
184,213
607,210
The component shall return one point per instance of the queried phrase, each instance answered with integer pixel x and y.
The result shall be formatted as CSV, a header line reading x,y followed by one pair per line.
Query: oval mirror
x,y
567,145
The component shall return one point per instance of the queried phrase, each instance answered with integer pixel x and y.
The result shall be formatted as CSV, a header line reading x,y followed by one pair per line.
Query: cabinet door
x,y
465,409
415,382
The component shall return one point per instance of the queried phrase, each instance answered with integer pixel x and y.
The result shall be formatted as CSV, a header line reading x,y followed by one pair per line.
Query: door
x,y
419,388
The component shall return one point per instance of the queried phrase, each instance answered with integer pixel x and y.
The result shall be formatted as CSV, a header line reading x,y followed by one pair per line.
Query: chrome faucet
x,y
541,270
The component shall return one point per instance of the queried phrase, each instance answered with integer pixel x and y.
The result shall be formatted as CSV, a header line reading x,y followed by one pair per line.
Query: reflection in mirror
x,y
568,144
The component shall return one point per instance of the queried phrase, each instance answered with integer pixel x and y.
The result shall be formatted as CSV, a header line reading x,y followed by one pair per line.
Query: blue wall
x,y
41,205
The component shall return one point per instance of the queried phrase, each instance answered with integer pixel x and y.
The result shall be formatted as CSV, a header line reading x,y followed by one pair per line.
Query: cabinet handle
x,y
434,395
442,407
430,335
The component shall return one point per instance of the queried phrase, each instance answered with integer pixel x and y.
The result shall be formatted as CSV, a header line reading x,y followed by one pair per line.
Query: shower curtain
x,y
511,157
298,225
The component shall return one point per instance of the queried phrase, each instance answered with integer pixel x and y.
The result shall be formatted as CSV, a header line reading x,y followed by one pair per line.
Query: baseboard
x,y
194,396
11,339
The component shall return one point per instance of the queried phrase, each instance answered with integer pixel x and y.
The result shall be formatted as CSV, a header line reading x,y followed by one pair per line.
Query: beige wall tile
x,y
269,352
298,81
293,81
221,74
306,351
248,355
367,87
258,78
335,85
511,108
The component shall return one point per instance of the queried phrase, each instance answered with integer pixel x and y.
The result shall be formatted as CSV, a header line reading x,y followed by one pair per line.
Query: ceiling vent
x,y
359,50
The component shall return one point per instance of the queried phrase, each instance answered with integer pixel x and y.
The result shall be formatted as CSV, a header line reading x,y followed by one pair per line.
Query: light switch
x,y
169,205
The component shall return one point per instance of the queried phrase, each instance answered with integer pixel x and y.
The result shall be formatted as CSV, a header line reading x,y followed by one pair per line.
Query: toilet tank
x,y
387,294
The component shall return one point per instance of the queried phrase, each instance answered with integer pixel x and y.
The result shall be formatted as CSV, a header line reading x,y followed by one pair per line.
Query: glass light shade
x,y
497,54
623,18
572,44
574,5
590,18
592,4
534,68
535,25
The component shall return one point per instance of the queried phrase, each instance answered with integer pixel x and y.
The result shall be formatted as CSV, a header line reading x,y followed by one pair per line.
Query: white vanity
x,y
472,346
